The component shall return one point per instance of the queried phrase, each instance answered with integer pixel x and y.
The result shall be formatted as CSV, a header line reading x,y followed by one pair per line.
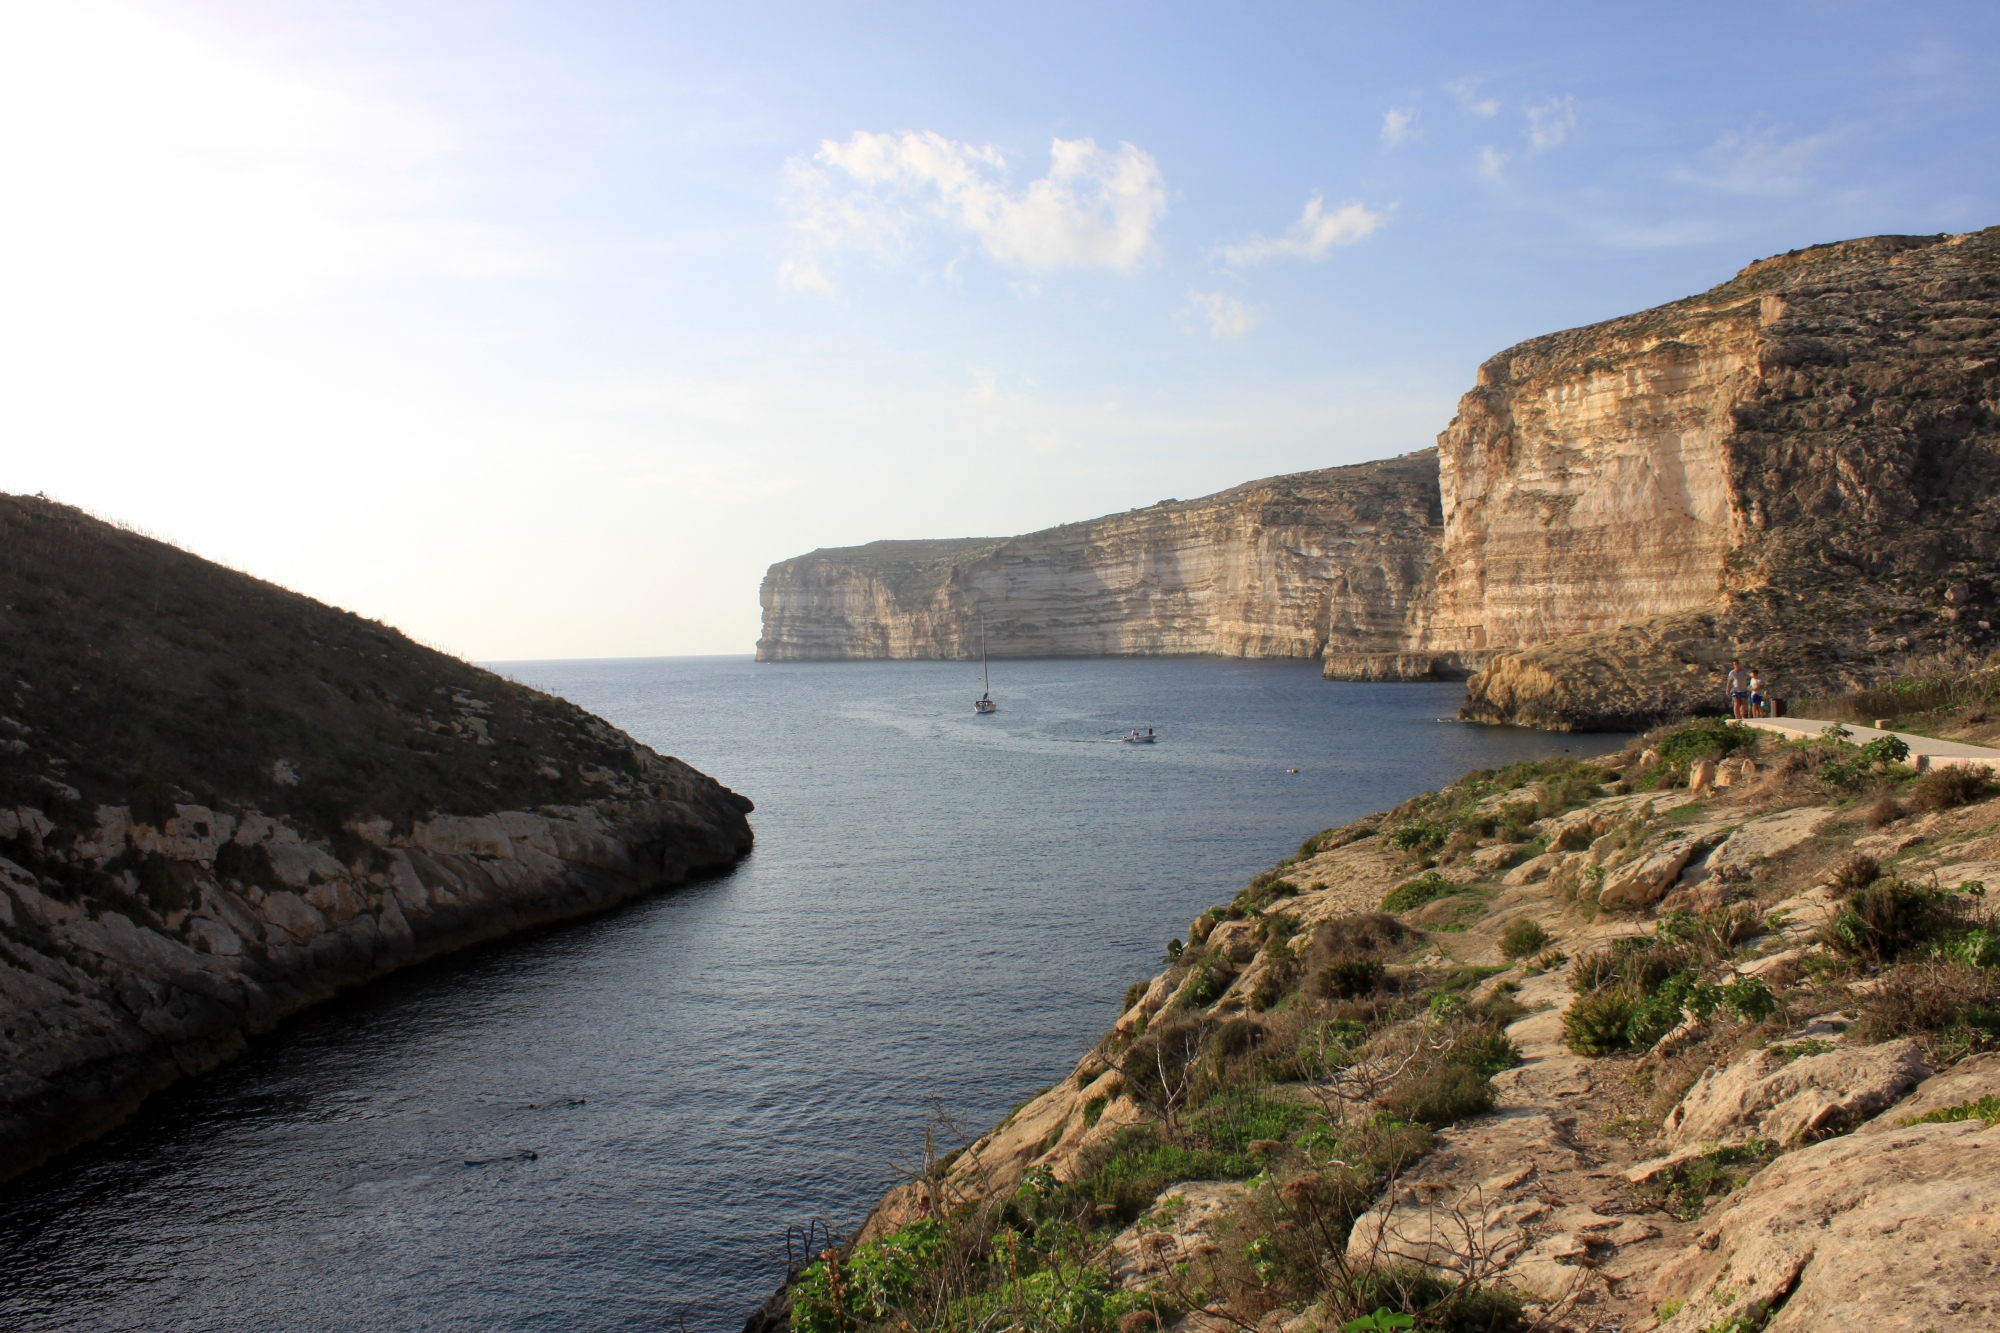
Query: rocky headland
x,y
1797,467
222,802
1702,1035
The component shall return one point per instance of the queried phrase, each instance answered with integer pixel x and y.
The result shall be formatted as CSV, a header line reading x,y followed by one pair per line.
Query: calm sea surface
x,y
942,909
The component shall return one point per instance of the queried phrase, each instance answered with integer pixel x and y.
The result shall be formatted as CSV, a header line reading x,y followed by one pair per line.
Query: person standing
x,y
1757,693
1738,686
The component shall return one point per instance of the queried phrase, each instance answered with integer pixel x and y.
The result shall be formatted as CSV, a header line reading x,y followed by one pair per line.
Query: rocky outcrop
x,y
221,802
1297,566
1797,468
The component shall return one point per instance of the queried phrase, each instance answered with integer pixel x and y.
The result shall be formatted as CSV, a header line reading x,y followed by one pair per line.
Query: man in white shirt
x,y
1738,686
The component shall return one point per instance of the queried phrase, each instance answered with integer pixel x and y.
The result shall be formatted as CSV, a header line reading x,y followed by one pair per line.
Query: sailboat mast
x,y
985,681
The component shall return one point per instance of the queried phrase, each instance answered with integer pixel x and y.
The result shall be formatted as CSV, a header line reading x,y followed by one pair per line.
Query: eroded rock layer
x,y
221,802
1795,468
1291,566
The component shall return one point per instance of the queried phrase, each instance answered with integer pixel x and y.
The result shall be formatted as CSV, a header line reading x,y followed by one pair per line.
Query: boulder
x,y
1536,868
1767,1096
1883,1231
1640,882
1702,776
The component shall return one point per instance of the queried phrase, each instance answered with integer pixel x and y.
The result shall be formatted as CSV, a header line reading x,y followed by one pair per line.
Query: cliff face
x,y
1794,468
221,802
1287,567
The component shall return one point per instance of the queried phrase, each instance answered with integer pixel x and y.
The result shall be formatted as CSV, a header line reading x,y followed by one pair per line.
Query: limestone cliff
x,y
221,802
1286,567
1795,468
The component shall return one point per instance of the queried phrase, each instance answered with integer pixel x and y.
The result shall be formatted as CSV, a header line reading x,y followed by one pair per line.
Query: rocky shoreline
x,y
103,1007
1698,1035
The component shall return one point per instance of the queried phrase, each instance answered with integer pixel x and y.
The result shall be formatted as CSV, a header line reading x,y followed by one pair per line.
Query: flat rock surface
x,y
1897,1230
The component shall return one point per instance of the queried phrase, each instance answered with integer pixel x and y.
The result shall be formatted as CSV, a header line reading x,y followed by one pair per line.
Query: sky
x,y
539,330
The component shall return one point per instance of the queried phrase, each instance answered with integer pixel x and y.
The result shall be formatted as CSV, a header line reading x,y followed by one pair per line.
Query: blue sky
x,y
541,329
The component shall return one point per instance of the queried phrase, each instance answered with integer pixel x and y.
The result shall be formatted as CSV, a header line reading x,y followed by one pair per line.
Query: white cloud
x,y
1756,162
1551,122
802,273
1312,237
1467,93
1096,208
1227,317
1491,160
1398,124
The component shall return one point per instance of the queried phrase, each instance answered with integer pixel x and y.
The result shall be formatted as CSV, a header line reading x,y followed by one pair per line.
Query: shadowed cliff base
x,y
221,802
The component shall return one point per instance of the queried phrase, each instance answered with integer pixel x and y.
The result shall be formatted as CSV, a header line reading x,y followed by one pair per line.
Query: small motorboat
x,y
1140,738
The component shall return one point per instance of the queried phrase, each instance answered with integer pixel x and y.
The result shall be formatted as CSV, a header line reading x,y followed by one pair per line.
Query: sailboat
x,y
984,703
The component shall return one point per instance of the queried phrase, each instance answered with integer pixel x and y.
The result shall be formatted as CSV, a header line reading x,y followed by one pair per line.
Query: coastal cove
x,y
939,907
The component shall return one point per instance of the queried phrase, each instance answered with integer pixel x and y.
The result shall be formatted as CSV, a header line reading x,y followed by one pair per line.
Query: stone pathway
x,y
1926,752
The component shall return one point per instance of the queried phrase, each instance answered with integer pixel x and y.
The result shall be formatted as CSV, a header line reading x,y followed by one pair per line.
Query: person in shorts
x,y
1738,686
1757,700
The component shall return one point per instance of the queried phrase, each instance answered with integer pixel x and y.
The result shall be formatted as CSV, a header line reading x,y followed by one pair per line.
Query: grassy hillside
x,y
137,673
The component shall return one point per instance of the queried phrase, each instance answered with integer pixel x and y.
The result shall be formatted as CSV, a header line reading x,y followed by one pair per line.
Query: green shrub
x,y
867,1287
1129,1172
1133,994
1986,1109
1522,937
1419,835
1595,1024
1689,1186
1344,978
1709,738
1487,1052
1210,980
1441,1095
1415,893
1436,1299
1890,918
1951,1003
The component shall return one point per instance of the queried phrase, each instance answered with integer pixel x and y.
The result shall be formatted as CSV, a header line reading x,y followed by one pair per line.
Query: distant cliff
x,y
1798,468
222,802
1284,567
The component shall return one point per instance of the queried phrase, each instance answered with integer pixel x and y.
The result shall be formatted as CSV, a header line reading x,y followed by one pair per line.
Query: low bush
x,y
1945,788
1432,1299
1885,810
1522,937
1688,1187
1415,893
1891,918
1953,1005
1854,874
1595,1024
1443,1094
1345,978
1709,738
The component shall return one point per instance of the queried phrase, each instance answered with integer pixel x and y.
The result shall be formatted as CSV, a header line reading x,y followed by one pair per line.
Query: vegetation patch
x,y
1984,1109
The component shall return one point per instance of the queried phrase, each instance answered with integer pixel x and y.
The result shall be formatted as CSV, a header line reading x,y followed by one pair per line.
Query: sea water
x,y
616,1124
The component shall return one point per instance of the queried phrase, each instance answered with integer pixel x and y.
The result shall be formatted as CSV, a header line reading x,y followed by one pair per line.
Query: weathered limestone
x,y
1767,1096
1886,1230
99,1011
1293,566
1781,469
